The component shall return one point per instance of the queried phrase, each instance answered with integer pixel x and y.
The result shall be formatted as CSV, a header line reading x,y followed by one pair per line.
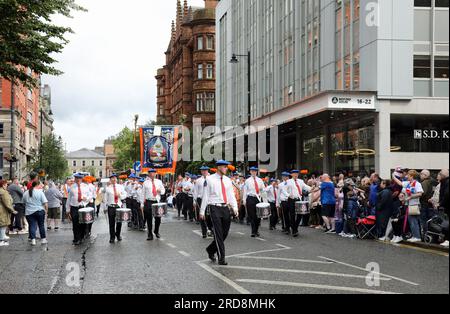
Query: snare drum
x,y
263,210
159,210
123,215
86,216
302,208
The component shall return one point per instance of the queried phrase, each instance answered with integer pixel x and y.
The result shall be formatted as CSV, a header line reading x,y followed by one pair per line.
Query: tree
x,y
125,149
54,162
28,37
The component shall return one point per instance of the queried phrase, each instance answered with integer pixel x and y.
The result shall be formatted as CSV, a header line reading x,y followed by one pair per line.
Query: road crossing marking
x,y
313,286
363,269
285,259
185,254
261,239
172,246
298,271
240,233
228,281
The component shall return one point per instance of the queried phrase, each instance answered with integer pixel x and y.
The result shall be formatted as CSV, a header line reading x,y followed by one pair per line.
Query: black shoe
x,y
271,228
212,257
258,235
119,238
223,263
112,241
295,235
205,236
150,238
253,235
158,236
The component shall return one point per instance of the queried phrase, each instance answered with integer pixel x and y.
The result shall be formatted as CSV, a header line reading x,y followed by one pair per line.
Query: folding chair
x,y
366,227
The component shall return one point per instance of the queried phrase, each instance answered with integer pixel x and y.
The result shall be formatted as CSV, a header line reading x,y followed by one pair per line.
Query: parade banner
x,y
159,149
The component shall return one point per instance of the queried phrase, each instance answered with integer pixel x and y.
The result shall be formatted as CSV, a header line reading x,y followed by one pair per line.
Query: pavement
x,y
177,264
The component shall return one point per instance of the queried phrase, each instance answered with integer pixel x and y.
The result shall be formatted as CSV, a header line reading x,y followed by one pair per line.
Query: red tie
x,y
224,192
298,188
256,186
116,197
275,193
80,197
154,188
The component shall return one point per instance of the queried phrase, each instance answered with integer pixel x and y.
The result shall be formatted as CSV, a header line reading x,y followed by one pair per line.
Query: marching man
x,y
295,188
252,196
114,196
284,198
152,191
274,201
77,199
218,196
198,197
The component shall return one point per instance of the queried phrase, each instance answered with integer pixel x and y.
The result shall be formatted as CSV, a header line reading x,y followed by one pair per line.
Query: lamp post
x,y
41,137
235,60
136,118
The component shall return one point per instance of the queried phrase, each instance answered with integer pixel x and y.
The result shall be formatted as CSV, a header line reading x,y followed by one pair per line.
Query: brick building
x,y
186,84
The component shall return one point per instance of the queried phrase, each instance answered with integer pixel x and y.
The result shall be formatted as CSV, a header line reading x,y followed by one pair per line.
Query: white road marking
x,y
261,239
363,269
305,285
228,281
53,285
286,259
185,254
240,233
198,232
296,271
162,239
172,246
283,248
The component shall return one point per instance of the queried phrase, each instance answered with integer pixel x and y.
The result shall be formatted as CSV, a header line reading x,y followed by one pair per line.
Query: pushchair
x,y
437,229
366,227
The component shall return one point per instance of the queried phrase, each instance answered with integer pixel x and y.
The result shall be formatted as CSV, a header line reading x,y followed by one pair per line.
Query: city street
x,y
314,263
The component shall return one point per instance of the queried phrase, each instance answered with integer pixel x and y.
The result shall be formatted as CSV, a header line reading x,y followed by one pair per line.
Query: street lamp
x,y
50,113
136,118
235,60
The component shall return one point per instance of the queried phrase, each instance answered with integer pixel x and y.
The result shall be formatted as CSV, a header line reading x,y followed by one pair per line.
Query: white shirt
x,y
188,188
73,195
250,188
418,189
284,194
212,193
109,195
293,190
199,187
148,190
93,192
271,190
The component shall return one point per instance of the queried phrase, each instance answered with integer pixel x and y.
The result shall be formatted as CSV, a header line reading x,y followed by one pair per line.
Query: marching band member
x,y
129,186
295,188
66,191
114,196
284,197
77,199
138,199
218,196
151,194
179,195
188,198
91,204
252,196
274,201
198,196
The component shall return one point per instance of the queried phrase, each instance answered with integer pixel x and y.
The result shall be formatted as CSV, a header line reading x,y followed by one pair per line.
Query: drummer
x,y
151,194
284,197
129,189
218,196
188,199
252,196
198,196
114,196
91,203
295,189
78,198
178,195
138,195
274,201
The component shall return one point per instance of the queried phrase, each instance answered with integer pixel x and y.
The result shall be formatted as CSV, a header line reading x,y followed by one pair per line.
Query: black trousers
x,y
294,219
114,228
148,218
77,228
88,227
221,223
255,222
242,213
285,215
179,203
188,207
205,224
64,209
274,215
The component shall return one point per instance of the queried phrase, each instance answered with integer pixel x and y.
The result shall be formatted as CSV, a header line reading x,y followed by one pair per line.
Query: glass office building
x,y
353,85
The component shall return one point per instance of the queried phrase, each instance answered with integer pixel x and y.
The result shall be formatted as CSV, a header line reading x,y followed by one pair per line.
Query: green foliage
x,y
54,162
124,147
28,38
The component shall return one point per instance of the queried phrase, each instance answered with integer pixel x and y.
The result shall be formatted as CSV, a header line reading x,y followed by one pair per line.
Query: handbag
x,y
414,210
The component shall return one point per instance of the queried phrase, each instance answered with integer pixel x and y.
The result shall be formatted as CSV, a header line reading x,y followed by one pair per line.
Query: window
x,y
101,163
209,71
210,42
161,110
442,3
30,94
2,129
100,174
210,102
74,163
441,68
422,3
200,102
1,158
93,163
83,163
29,117
422,67
200,71
200,43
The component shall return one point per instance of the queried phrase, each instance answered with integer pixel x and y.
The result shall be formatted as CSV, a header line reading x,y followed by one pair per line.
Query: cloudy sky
x,y
109,66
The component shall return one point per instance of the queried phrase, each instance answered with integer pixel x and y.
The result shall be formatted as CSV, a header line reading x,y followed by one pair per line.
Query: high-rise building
x,y
186,84
354,85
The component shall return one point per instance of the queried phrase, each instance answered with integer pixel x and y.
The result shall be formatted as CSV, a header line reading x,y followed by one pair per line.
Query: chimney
x,y
185,9
211,4
179,15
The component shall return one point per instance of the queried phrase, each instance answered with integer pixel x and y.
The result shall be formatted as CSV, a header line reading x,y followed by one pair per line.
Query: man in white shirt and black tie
x,y
115,195
252,196
77,199
295,189
218,196
153,188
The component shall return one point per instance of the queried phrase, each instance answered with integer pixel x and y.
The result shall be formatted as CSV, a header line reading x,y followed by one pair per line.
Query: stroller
x,y
366,228
437,229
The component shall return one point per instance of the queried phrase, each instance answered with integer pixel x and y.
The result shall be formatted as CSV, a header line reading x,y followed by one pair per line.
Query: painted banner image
x,y
158,148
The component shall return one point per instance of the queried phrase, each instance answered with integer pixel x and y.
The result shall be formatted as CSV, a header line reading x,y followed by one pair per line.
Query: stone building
x,y
85,160
186,84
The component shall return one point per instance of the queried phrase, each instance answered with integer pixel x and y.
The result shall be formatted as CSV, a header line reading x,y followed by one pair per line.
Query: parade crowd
x,y
409,206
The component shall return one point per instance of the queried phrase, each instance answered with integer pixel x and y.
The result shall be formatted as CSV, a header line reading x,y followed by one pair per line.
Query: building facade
x,y
19,127
352,85
110,155
85,160
186,84
46,114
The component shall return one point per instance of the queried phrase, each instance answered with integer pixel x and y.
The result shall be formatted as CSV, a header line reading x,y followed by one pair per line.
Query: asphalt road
x,y
177,264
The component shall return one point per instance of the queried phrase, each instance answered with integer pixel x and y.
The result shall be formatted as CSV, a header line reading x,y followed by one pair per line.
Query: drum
x,y
86,216
123,215
159,210
263,210
302,208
